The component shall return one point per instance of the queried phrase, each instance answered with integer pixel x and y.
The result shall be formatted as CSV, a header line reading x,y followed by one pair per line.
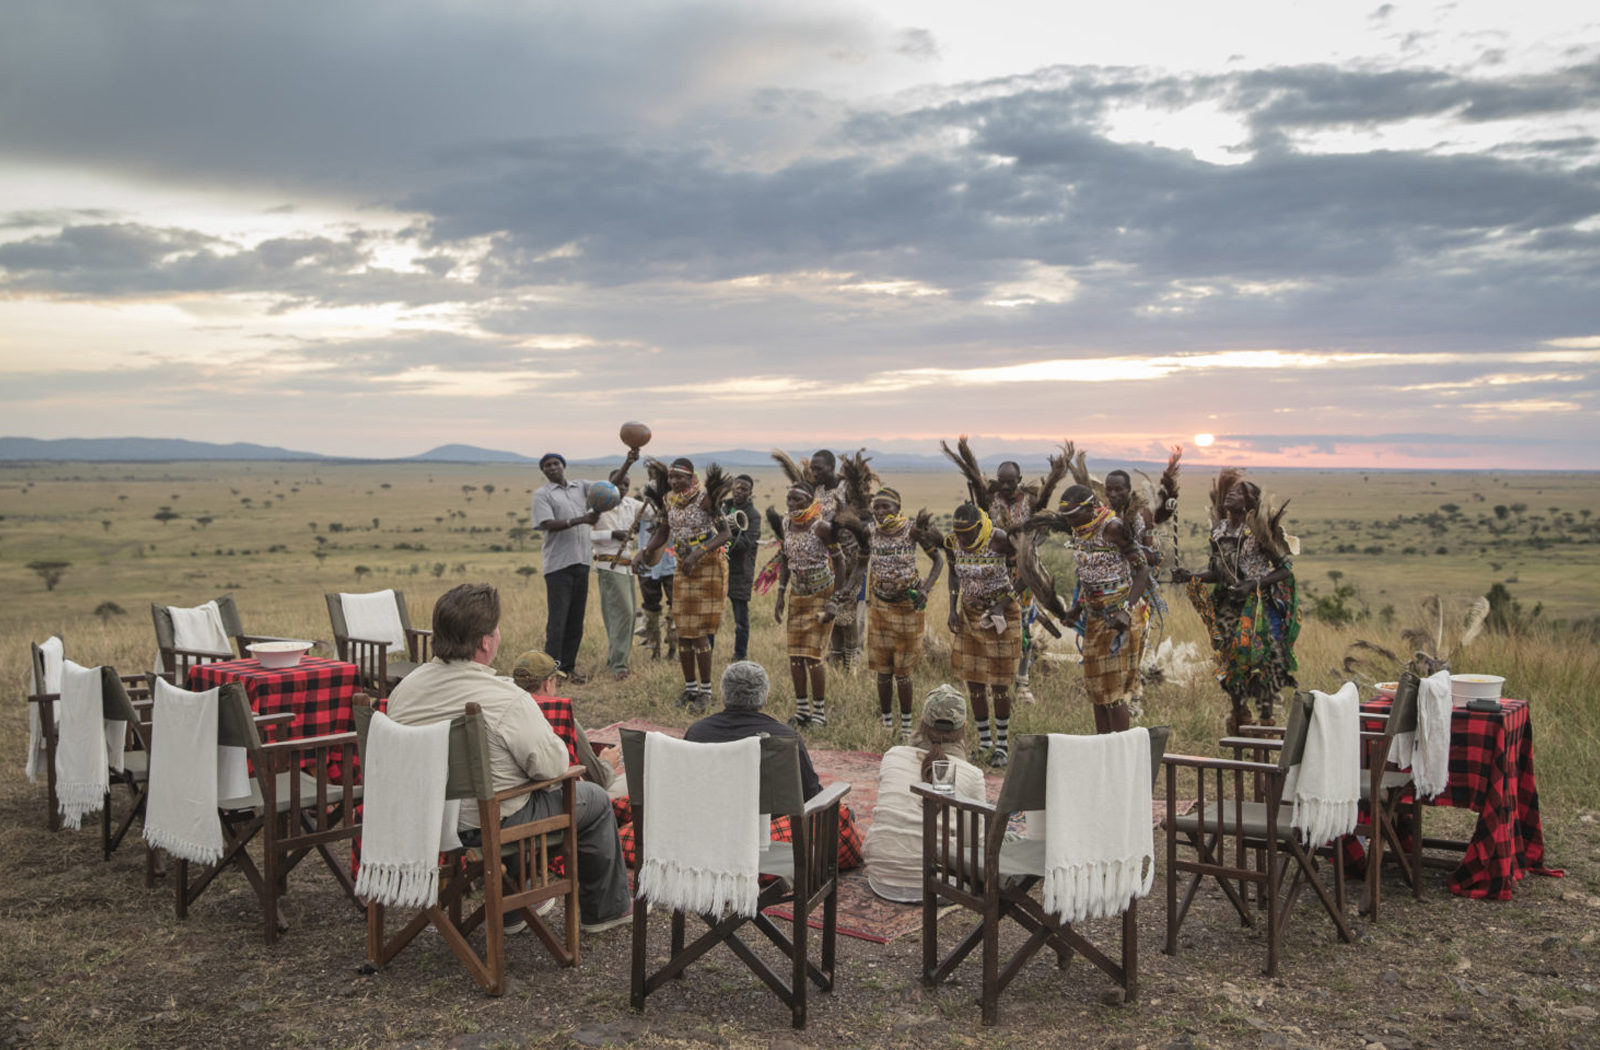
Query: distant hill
x,y
132,449
469,454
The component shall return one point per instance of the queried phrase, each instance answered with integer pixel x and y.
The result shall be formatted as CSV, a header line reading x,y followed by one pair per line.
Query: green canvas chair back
x,y
1026,777
227,609
781,790
1294,733
469,752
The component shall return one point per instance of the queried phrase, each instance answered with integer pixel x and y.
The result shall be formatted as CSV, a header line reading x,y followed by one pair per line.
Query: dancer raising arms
x,y
812,564
698,531
986,624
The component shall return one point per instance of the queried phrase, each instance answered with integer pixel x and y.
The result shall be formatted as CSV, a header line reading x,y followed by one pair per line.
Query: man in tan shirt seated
x,y
522,746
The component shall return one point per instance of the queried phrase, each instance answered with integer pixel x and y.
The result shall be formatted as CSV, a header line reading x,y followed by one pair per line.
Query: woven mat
x,y
862,913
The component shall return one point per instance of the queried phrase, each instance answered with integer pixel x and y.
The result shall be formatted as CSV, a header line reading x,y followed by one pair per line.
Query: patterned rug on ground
x,y
862,913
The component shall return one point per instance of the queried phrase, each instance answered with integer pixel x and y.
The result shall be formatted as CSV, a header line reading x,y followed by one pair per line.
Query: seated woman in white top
x,y
893,848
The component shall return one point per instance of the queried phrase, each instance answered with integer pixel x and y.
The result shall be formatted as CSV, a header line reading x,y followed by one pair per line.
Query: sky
x,y
1324,233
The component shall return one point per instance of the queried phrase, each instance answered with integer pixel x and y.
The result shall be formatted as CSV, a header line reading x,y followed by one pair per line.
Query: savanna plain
x,y
91,958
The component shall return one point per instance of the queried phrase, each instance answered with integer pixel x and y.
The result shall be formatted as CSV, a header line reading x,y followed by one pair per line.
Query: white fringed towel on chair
x,y
82,775
405,816
702,832
1430,761
374,617
1325,786
51,650
199,628
1099,844
181,815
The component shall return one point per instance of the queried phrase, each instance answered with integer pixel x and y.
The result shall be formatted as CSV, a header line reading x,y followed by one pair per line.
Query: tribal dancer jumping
x,y
897,599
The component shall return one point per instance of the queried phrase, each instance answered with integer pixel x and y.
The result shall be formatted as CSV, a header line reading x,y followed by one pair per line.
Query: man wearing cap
x,y
536,674
612,536
561,511
744,693
522,745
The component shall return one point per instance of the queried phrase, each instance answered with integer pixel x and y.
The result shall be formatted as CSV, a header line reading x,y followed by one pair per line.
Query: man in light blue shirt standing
x,y
561,511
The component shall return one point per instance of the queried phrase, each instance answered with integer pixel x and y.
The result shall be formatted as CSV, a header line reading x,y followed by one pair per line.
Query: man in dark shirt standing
x,y
744,692
742,561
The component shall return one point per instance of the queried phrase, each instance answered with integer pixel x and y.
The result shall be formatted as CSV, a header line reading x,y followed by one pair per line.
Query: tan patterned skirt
x,y
697,599
1110,679
894,636
981,656
808,634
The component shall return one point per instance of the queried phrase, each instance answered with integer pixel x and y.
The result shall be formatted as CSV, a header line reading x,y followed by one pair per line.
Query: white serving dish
x,y
1465,687
278,655
1386,689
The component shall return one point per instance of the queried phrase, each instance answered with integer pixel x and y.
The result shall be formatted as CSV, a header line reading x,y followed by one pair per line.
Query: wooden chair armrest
x,y
982,808
419,632
209,654
281,718
1257,743
529,787
306,743
44,698
362,641
1202,762
828,796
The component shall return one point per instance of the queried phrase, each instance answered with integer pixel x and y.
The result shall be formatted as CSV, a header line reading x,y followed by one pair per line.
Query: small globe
x,y
635,435
603,496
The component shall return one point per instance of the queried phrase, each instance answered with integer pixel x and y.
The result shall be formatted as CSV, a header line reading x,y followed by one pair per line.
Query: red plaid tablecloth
x,y
1491,773
317,691
558,712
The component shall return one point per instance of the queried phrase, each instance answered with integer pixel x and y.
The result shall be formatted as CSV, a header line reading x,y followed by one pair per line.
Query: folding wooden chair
x,y
176,660
131,704
804,873
378,669
513,866
967,861
1395,811
44,701
294,805
1240,811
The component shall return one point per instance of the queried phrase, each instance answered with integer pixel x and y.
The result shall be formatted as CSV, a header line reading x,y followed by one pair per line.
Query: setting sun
x,y
1204,440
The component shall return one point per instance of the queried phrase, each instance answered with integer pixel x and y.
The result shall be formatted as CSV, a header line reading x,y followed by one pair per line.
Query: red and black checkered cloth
x,y
558,712
317,691
1491,773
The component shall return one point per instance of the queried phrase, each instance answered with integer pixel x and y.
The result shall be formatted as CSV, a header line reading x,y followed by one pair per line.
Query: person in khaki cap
x,y
894,841
537,673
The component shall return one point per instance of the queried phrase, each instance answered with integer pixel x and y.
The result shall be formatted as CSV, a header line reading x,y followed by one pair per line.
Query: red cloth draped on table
x,y
317,691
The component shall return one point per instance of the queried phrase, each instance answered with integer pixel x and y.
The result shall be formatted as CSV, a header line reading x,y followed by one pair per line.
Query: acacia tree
x,y
166,514
50,571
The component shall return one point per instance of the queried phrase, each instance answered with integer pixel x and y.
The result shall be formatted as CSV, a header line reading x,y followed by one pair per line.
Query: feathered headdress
x,y
656,489
1165,503
775,522
978,486
925,532
796,473
718,483
860,481
1033,574
1077,464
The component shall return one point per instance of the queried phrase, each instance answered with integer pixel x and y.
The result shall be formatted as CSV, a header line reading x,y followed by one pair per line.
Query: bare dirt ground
x,y
90,958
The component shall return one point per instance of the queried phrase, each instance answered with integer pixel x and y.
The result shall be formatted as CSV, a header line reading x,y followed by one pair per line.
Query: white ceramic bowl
x,y
1386,688
278,655
1464,687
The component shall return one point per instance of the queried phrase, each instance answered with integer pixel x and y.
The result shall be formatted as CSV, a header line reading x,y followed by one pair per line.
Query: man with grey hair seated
x,y
745,686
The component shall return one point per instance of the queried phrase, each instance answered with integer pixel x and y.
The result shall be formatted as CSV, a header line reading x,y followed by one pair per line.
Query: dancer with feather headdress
x,y
841,486
1011,504
698,533
1247,597
985,624
897,600
812,562
1144,513
1112,578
